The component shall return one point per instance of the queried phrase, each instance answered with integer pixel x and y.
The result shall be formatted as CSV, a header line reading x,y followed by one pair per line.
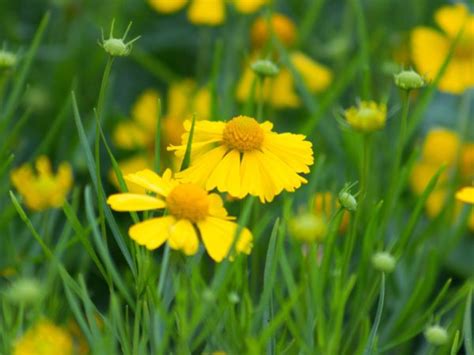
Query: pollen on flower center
x,y
188,201
243,133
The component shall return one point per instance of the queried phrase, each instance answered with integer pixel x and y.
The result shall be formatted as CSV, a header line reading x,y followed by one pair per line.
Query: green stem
x,y
260,99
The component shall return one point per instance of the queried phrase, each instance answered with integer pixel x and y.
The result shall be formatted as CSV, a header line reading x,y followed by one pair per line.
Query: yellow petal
x,y
207,12
130,135
218,235
167,6
466,194
150,181
183,237
281,90
293,149
131,165
248,6
216,207
134,202
145,110
252,181
451,19
179,98
317,77
441,147
226,175
152,233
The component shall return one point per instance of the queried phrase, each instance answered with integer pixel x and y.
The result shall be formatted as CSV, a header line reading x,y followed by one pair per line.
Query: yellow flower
x,y
466,194
167,6
317,77
243,157
326,204
44,338
368,116
193,213
41,189
440,147
430,48
308,227
183,100
281,25
248,6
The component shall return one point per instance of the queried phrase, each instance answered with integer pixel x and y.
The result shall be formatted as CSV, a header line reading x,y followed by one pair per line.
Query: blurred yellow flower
x,y
192,213
282,26
367,116
45,338
206,12
430,48
326,204
441,147
41,189
184,99
317,77
242,156
466,194
308,227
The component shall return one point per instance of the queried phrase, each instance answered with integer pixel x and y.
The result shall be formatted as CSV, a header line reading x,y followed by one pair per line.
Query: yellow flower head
x,y
368,116
167,6
41,189
207,12
430,48
308,227
44,338
317,77
242,156
440,147
248,6
193,213
466,194
281,25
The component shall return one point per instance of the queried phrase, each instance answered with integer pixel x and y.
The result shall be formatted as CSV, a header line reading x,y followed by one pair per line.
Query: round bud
x,y
409,80
348,201
233,297
24,291
7,59
264,67
308,227
384,261
116,47
436,335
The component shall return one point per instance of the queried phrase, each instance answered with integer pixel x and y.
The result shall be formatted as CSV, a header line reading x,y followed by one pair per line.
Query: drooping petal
x,y
183,237
202,167
153,232
292,149
226,175
216,207
134,202
151,181
218,236
466,194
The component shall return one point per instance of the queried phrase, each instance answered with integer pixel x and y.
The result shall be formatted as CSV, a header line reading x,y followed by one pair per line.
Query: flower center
x,y
188,201
243,133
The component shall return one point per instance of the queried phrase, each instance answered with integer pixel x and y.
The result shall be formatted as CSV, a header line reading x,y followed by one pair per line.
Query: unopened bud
x,y
436,335
308,227
117,47
409,80
384,261
7,59
24,291
265,67
347,201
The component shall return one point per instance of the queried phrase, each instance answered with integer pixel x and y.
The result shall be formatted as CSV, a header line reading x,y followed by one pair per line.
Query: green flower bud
x,y
409,80
308,227
117,47
233,297
436,335
24,291
384,261
347,201
7,59
264,67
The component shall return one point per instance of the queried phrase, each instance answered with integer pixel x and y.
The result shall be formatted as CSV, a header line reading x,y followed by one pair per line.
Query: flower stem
x,y
260,103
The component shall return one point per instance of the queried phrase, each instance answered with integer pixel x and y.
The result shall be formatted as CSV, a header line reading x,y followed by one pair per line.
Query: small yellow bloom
x,y
466,194
248,6
242,157
193,213
167,6
430,48
207,12
317,77
308,227
368,116
41,189
440,147
45,338
281,25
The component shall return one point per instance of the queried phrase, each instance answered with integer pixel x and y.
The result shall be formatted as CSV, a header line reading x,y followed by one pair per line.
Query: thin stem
x,y
260,98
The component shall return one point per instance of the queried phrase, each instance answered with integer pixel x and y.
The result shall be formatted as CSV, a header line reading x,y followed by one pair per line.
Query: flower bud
x,y
347,201
436,335
367,116
24,291
264,67
308,227
384,261
409,80
233,297
7,59
117,47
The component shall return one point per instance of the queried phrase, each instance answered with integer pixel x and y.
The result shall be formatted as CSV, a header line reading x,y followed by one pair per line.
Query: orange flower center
x,y
243,133
188,201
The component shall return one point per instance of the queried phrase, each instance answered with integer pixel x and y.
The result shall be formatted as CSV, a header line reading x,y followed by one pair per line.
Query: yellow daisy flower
x,y
280,90
206,12
243,157
466,194
430,48
367,116
41,189
45,338
184,99
193,213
